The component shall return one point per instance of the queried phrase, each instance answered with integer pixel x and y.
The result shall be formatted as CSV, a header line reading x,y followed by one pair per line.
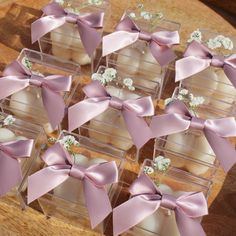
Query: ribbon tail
x,y
187,225
132,213
224,151
10,173
54,105
189,66
117,40
90,37
163,54
97,201
138,128
84,111
44,181
168,124
44,25
230,73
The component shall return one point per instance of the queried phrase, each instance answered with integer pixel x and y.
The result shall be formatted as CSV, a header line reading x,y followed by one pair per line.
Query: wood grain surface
x,y
15,20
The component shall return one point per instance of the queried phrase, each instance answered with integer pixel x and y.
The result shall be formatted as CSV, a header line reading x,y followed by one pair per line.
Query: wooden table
x,y
15,20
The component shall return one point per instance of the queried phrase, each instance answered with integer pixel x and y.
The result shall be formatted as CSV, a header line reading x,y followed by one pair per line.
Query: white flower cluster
x,y
145,14
220,41
108,75
161,163
188,98
128,82
26,63
95,2
148,170
195,35
9,120
67,141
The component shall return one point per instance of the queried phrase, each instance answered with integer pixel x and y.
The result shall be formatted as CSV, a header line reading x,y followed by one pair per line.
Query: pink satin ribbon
x,y
94,178
178,119
198,57
56,16
17,77
146,198
99,101
127,33
10,169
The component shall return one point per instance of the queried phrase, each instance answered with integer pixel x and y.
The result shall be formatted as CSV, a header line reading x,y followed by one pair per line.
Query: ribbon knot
x,y
187,208
77,172
116,103
56,16
127,33
98,101
94,179
197,123
168,202
178,119
17,77
198,57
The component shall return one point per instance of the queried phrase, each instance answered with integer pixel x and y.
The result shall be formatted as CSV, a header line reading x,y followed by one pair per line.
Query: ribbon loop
x,y
197,123
217,61
168,202
77,172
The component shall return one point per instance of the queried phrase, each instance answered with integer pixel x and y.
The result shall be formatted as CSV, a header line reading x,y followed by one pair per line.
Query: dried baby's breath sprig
x,y
68,142
195,35
161,163
220,41
26,62
128,82
107,76
148,170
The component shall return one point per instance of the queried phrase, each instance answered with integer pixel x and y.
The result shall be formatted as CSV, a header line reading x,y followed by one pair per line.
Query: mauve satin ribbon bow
x,y
99,101
127,33
216,131
10,170
146,198
16,78
198,57
94,178
56,16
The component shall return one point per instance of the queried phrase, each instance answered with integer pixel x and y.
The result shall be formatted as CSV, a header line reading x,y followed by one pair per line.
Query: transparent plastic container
x,y
136,60
65,42
27,104
66,201
212,83
188,151
22,130
211,107
174,182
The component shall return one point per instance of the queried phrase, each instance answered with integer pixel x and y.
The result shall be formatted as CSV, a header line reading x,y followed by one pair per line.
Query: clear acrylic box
x,y
27,104
22,130
109,127
211,107
188,151
65,42
66,201
212,83
174,181
136,59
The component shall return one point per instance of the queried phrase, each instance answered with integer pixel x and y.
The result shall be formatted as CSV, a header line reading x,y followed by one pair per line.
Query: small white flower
x,y
161,163
167,101
183,92
26,63
132,15
99,77
9,120
148,170
180,97
95,2
128,82
61,2
109,74
196,101
146,15
195,35
228,43
52,139
213,44
68,141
